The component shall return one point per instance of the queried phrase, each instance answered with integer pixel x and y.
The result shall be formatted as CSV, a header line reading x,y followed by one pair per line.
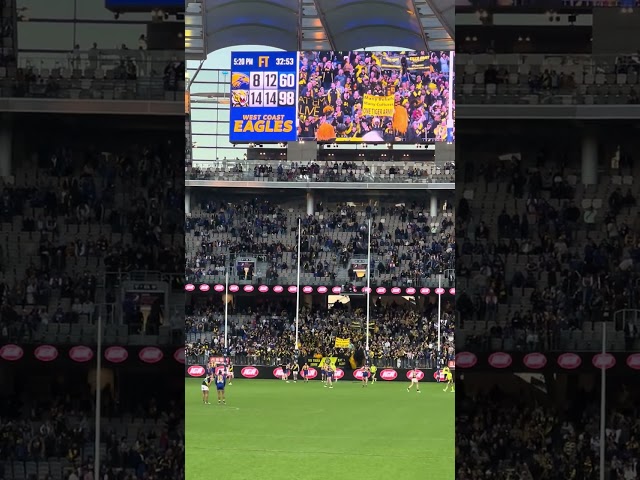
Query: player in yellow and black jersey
x,y
295,369
230,374
449,378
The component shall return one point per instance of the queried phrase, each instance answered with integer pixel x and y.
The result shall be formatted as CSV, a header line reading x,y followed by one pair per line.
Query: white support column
x,y
433,211
187,201
311,203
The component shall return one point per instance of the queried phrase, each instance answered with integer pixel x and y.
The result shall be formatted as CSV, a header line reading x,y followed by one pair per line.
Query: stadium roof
x,y
337,25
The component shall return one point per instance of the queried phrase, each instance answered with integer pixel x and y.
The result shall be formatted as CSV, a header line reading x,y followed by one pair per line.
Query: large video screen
x,y
375,96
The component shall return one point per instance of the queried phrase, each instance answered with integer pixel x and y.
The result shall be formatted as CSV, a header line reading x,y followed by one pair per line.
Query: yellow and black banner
x,y
377,106
342,342
419,63
335,361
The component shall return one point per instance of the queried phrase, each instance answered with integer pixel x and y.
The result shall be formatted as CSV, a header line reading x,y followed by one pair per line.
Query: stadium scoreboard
x,y
264,97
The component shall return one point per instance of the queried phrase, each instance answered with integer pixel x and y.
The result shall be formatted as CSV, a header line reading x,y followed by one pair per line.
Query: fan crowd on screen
x,y
333,85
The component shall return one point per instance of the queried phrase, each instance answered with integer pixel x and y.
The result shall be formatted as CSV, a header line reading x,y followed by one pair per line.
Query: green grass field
x,y
271,430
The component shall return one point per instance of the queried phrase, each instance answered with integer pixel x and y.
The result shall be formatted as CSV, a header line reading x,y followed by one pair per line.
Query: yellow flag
x,y
342,342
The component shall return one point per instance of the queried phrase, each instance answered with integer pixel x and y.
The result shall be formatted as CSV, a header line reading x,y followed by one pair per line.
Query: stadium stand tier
x,y
544,257
96,74
409,246
509,430
51,437
385,172
79,220
534,79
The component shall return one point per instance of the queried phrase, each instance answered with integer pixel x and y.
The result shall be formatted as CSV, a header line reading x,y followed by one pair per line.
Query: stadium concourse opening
x,y
320,246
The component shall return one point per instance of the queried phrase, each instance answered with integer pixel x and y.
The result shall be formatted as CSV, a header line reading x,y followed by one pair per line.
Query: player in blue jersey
x,y
328,369
286,370
305,373
220,380
210,369
366,372
330,374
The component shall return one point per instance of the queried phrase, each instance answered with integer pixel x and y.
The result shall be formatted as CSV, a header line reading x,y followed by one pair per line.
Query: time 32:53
x,y
285,61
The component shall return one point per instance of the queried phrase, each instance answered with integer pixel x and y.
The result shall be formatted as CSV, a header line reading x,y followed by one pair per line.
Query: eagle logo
x,y
240,81
239,98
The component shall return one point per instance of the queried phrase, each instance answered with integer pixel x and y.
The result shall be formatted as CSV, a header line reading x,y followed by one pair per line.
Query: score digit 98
x,y
286,98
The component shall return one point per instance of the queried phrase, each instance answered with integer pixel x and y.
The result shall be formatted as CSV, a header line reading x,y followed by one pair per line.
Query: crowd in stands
x,y
71,223
121,74
25,304
51,438
543,259
546,258
408,246
327,172
586,79
499,437
266,333
365,157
